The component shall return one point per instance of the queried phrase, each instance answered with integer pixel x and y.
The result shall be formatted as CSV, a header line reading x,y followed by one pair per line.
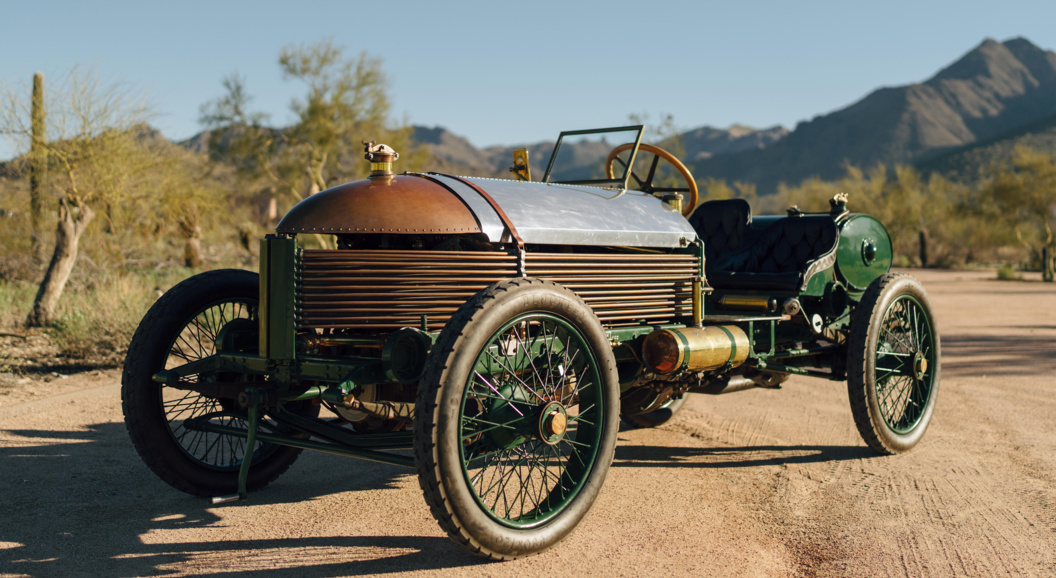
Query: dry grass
x,y
95,321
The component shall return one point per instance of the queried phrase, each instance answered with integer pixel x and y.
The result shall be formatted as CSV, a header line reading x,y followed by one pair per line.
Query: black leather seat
x,y
723,226
782,257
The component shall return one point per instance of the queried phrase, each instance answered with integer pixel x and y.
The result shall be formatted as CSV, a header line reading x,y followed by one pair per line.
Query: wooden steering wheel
x,y
646,184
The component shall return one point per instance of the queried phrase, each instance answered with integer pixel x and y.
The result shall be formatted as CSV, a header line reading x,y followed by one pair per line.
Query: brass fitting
x,y
381,157
675,200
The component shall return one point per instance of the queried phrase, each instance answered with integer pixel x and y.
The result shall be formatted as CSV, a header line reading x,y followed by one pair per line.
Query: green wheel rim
x,y
522,477
905,364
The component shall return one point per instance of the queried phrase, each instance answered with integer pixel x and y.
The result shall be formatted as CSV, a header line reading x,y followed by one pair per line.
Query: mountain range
x,y
997,93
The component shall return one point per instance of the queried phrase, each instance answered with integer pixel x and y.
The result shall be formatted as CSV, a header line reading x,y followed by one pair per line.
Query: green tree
x,y
1025,193
94,144
346,102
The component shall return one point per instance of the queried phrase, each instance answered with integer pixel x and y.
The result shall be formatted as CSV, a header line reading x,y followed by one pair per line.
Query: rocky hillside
x,y
995,96
995,88
453,152
706,142
968,164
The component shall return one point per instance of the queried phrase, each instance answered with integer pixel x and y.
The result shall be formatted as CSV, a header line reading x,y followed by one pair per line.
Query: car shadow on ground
x,y
734,457
105,514
968,355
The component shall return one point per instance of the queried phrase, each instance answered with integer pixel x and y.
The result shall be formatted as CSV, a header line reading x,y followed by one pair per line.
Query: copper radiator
x,y
381,290
623,289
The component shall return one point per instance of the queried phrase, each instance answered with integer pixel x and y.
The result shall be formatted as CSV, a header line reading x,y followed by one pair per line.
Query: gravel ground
x,y
756,483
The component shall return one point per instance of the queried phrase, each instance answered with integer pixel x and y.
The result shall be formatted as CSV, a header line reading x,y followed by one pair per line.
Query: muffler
x,y
667,351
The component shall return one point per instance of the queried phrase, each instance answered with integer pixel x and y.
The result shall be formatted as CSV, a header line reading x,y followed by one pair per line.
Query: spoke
x,y
190,346
652,169
896,371
177,401
486,455
895,404
494,472
575,443
209,448
485,394
531,364
508,402
515,469
512,374
549,392
526,486
206,331
902,320
494,426
579,419
572,451
178,351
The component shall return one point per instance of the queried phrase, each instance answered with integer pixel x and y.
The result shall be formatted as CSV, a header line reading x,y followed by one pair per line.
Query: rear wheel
x,y
195,319
516,419
893,359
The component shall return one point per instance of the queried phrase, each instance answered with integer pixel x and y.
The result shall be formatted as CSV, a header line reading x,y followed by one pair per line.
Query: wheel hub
x,y
920,365
553,423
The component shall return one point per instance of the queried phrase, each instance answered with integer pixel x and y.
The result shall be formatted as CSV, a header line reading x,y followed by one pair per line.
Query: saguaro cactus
x,y
38,166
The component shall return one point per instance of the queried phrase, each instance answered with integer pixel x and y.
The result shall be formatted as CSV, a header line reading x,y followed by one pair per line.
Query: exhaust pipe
x,y
729,385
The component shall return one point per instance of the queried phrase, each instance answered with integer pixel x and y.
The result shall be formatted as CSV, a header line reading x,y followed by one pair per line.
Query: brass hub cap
x,y
553,423
920,365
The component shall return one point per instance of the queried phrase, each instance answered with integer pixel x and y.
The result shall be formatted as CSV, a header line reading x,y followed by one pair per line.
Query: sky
x,y
518,72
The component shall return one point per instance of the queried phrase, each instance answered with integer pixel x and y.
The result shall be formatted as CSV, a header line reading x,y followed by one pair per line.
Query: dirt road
x,y
756,483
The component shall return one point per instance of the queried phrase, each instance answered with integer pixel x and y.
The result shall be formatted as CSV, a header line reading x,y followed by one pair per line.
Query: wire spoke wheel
x,y
903,364
200,338
893,364
530,420
204,315
516,418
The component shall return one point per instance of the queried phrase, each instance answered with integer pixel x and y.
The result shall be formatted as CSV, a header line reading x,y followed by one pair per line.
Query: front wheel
x,y
516,418
893,358
190,322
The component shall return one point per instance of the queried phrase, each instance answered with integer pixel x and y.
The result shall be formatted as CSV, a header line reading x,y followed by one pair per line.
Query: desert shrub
x,y
96,320
1008,273
16,299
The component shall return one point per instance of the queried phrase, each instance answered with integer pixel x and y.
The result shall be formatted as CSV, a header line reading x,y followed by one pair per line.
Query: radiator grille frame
x,y
383,290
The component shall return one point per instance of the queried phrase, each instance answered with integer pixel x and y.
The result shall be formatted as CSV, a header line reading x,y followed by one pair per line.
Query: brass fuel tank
x,y
695,348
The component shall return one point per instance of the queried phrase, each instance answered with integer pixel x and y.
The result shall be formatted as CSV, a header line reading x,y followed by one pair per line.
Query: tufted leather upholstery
x,y
783,257
723,226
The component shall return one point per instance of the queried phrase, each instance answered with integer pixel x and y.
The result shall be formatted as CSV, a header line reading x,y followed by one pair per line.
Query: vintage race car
x,y
500,329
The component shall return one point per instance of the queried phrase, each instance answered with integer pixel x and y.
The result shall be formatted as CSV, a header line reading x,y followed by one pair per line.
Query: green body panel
x,y
864,252
277,297
817,283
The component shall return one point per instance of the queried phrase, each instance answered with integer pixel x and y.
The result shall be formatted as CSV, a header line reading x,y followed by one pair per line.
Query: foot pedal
x,y
225,499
